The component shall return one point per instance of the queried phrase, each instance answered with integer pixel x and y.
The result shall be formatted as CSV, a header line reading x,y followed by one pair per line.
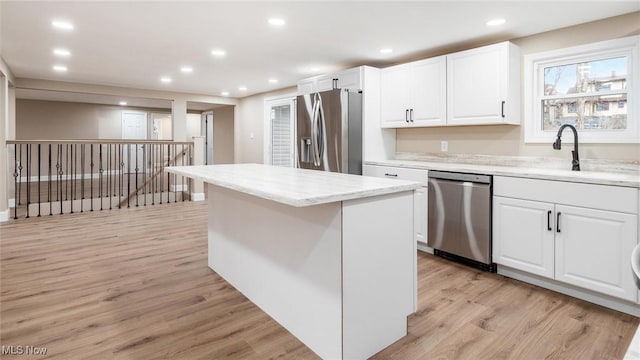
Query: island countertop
x,y
292,186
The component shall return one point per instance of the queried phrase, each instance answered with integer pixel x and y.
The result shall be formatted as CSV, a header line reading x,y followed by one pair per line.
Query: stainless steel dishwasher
x,y
460,217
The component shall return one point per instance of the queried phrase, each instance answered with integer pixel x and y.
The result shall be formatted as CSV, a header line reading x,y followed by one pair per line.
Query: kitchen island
x,y
329,256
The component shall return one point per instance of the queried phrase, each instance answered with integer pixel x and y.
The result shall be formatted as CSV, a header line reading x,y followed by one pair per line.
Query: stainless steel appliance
x,y
460,217
329,131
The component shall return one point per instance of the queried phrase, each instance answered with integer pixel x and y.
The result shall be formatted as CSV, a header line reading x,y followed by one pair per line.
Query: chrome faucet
x,y
575,163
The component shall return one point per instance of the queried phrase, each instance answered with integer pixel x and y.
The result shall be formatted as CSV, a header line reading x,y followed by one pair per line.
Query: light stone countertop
x,y
290,186
618,173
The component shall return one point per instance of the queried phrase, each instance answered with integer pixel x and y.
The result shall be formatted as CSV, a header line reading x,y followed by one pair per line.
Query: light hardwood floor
x,y
134,284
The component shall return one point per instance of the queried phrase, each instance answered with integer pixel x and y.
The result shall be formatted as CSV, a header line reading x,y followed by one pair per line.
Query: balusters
x,y
49,199
39,164
15,180
62,169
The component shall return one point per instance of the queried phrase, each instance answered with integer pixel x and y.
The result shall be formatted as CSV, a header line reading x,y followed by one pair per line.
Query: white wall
x,y
223,135
249,126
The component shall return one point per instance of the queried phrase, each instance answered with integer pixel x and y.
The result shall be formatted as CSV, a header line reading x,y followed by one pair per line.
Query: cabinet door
x,y
306,86
326,82
593,250
427,91
349,79
420,214
477,85
523,235
394,109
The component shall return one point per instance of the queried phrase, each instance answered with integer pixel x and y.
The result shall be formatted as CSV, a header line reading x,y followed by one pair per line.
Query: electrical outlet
x,y
444,146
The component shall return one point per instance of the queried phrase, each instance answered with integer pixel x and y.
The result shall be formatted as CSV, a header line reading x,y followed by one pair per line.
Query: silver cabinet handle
x,y
406,115
411,115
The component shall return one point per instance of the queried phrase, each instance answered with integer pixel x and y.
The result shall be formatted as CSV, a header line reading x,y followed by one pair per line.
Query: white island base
x,y
331,257
339,276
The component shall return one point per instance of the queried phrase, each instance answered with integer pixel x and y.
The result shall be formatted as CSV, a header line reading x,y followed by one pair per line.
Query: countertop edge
x,y
504,171
319,200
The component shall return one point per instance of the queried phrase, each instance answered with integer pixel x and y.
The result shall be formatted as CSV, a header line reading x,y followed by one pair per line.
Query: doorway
x,y
134,127
280,131
207,130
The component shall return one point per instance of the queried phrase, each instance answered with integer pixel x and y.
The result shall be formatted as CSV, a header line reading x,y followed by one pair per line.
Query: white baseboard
x,y
574,291
197,196
4,215
424,248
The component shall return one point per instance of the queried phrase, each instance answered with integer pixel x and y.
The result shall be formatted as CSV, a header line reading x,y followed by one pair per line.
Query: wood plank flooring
x,y
134,284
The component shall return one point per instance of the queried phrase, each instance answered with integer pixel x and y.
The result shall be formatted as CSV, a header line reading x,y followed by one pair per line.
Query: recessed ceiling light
x,y
273,81
218,52
276,22
123,103
386,51
60,68
314,69
242,88
224,93
61,52
186,69
496,22
166,79
62,25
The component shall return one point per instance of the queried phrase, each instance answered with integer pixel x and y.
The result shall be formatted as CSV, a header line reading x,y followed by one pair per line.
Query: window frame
x,y
534,65
269,103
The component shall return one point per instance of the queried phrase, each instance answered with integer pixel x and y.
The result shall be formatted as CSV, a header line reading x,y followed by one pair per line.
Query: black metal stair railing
x,y
67,176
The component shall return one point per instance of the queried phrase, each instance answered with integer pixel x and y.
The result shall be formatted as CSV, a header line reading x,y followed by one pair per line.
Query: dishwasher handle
x,y
454,176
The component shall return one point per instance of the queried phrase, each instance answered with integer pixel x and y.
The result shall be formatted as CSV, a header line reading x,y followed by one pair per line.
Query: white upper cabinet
x,y
350,79
483,86
413,94
473,87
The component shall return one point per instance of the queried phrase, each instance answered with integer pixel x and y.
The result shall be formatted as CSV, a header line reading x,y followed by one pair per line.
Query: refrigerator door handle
x,y
320,131
314,135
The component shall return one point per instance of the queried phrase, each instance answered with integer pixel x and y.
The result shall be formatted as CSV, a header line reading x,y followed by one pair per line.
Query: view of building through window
x,y
589,95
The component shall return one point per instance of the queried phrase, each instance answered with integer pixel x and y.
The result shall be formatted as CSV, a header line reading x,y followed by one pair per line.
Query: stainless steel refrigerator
x,y
329,131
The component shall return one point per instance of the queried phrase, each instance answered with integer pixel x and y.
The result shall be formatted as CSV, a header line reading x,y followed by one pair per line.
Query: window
x,y
279,131
589,87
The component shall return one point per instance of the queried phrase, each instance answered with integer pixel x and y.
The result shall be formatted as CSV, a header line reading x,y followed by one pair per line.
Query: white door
x,y
523,235
477,85
428,84
280,132
593,248
394,96
134,127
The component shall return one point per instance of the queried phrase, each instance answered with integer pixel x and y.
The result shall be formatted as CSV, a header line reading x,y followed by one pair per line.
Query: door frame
x,y
122,127
269,103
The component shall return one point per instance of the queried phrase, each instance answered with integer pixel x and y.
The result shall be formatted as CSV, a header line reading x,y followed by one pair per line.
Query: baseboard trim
x,y
4,215
424,248
573,291
197,196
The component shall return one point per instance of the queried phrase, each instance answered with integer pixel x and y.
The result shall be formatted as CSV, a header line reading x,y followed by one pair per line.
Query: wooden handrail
x,y
99,141
153,177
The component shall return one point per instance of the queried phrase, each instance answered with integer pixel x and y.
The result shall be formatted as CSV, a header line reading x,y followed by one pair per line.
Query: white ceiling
x,y
133,44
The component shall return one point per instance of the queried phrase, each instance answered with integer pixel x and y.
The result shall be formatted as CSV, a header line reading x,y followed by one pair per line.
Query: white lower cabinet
x,y
563,237
523,237
419,198
593,250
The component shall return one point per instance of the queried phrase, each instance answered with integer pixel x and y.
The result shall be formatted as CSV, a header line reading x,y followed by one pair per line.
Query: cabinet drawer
x,y
604,197
393,172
